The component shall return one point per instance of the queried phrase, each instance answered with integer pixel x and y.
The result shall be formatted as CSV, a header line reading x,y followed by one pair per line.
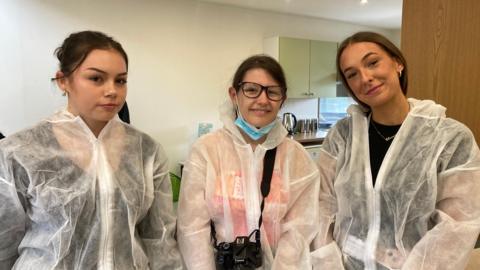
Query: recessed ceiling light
x,y
363,2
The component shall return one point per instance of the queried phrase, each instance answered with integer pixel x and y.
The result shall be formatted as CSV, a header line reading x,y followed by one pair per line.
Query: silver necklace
x,y
387,139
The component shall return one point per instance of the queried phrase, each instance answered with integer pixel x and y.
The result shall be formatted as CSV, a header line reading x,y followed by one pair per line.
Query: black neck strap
x,y
268,163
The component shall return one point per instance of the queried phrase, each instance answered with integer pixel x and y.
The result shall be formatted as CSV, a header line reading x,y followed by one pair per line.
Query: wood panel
x,y
441,41
474,263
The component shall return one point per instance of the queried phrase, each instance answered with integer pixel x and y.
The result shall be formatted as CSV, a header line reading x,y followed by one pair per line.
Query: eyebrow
x,y
104,72
363,58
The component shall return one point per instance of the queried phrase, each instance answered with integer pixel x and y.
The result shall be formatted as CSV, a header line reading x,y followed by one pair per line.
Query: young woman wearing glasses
x,y
223,175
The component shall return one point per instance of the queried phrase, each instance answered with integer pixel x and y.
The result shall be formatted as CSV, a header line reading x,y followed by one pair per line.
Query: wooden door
x,y
441,41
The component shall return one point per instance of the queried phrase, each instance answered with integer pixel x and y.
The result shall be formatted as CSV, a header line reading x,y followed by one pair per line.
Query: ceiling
x,y
378,13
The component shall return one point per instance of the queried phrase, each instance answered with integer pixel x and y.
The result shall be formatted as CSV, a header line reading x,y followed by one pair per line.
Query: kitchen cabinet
x,y
309,65
323,72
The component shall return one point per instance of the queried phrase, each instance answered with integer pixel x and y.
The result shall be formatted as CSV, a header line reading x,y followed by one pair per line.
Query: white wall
x,y
396,36
183,55
302,108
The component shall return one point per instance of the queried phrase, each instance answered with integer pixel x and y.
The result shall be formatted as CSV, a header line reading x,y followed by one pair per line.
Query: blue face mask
x,y
251,131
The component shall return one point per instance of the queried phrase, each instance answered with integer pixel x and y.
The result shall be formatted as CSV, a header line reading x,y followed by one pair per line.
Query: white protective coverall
x,y
424,210
221,182
71,201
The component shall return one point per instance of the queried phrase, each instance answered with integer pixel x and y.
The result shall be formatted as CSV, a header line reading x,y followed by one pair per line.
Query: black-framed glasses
x,y
254,90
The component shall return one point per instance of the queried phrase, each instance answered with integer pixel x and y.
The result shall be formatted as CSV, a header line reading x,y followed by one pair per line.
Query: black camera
x,y
241,254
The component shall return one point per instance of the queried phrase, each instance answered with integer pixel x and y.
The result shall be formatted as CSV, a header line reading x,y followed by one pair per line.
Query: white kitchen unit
x,y
309,65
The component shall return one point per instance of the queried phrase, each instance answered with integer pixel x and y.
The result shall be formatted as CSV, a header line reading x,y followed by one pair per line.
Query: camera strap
x,y
268,163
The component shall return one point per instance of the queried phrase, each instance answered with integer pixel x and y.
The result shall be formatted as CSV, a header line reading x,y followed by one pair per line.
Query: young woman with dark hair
x,y
223,182
82,189
399,179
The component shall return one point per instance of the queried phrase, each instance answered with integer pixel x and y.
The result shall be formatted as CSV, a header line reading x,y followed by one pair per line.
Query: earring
x,y
400,73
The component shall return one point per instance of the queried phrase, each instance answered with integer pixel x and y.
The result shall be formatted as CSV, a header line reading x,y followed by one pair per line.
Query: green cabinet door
x,y
294,56
322,68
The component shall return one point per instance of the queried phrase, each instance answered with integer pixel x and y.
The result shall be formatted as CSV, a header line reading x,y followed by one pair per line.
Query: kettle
x,y
289,122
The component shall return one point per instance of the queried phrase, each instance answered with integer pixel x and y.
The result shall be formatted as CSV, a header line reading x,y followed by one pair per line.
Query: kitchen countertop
x,y
310,138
